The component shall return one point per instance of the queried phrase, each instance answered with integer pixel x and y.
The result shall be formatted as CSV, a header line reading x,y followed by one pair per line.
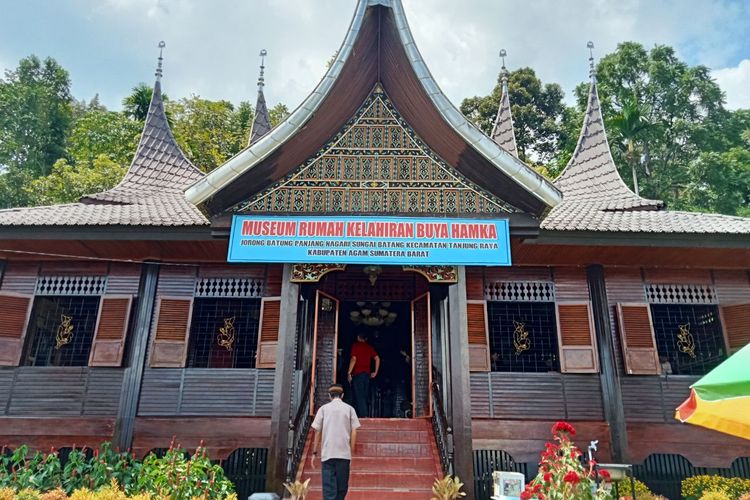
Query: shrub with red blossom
x,y
562,475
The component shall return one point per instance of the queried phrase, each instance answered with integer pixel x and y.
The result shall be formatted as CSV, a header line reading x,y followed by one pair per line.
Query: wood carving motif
x,y
311,273
435,274
376,164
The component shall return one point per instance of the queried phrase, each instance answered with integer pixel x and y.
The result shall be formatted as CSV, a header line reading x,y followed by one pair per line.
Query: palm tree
x,y
136,104
628,126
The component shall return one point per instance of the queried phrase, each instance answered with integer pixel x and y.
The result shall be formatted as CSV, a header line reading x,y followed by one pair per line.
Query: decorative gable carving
x,y
376,164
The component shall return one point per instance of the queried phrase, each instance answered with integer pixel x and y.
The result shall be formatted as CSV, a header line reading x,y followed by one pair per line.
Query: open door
x,y
421,348
325,339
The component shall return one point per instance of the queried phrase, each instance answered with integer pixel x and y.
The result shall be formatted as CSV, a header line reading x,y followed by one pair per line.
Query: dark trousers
x,y
335,478
361,388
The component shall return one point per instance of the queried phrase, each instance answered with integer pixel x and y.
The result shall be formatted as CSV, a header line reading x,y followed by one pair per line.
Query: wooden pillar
x,y
282,384
463,457
3,265
136,360
614,411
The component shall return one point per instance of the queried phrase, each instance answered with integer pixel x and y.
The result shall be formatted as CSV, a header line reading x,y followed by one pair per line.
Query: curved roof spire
x,y
261,121
591,174
502,131
158,164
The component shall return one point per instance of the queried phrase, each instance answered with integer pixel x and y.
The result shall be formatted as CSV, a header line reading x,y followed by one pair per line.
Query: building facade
x,y
124,322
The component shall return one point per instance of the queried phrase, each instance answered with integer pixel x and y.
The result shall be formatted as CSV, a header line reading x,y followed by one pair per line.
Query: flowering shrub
x,y
562,476
694,488
109,474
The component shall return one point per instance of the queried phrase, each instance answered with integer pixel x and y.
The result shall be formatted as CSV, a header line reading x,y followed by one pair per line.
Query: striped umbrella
x,y
721,400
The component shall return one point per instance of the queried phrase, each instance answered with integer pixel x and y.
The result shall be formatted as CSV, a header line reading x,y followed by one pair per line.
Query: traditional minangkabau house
x,y
123,320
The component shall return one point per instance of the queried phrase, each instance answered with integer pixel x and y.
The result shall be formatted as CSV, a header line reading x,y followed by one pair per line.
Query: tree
x,y
35,119
68,182
137,103
100,132
626,128
278,113
210,132
537,110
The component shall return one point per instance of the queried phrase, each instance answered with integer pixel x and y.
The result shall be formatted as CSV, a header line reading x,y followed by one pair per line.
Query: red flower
x,y
572,478
548,477
604,474
563,428
526,494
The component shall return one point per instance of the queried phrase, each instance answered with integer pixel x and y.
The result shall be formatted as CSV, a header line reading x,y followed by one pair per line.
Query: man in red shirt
x,y
360,374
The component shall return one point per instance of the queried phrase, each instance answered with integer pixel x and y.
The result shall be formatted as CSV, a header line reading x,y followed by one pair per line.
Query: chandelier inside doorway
x,y
373,313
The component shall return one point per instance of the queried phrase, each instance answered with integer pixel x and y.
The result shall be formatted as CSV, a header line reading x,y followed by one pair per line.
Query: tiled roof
x,y
150,194
502,131
596,199
592,216
591,174
261,121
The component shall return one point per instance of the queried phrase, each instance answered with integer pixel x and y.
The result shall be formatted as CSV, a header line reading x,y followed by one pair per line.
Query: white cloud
x,y
735,81
212,47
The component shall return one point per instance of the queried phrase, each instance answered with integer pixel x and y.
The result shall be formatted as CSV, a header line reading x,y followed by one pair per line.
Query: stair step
x,y
423,450
417,424
378,480
375,494
392,436
389,464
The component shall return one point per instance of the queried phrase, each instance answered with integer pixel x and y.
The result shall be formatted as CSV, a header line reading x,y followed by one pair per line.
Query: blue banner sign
x,y
369,240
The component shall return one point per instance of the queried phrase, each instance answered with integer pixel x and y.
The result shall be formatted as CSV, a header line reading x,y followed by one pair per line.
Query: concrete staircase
x,y
394,459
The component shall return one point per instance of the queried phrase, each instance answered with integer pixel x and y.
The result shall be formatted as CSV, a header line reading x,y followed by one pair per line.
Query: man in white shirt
x,y
337,422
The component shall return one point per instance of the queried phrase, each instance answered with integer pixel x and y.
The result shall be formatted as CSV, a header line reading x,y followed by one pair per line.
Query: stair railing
x,y
299,426
442,430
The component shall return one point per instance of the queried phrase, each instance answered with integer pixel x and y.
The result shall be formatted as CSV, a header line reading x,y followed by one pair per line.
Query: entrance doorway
x,y
394,315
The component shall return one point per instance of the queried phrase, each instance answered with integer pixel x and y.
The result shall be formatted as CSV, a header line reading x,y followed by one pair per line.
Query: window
x,y
523,336
61,330
224,333
688,338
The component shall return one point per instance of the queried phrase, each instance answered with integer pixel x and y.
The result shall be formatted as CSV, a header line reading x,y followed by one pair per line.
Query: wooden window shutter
x,y
108,345
479,345
737,325
268,332
575,331
169,347
638,341
15,308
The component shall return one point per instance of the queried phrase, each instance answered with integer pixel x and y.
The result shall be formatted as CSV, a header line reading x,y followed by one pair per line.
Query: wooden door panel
x,y
422,355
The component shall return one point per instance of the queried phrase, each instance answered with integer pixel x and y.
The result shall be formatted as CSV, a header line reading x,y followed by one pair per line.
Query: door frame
x,y
316,317
425,295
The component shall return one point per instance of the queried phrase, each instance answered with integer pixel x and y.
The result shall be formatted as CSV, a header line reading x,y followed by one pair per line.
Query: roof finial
x,y
504,70
161,58
261,79
592,66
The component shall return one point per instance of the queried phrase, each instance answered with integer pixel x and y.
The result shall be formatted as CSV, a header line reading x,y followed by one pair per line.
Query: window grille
x,y
61,330
680,294
520,291
229,287
224,333
510,350
688,338
71,285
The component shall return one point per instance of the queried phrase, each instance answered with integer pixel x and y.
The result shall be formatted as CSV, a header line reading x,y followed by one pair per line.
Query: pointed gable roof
x,y
261,120
379,48
150,195
158,166
502,131
591,174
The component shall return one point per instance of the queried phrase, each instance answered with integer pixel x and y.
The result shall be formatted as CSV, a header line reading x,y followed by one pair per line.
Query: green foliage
x,y
537,110
104,133
210,132
111,474
694,488
715,495
135,105
68,182
624,489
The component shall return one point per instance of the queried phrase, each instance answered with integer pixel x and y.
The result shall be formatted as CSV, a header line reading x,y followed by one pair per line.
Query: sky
x,y
212,46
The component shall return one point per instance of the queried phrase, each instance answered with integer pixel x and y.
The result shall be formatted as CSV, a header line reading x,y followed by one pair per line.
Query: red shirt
x,y
364,354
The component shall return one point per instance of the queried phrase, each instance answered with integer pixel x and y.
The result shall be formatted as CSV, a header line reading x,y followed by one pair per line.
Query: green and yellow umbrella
x,y
721,400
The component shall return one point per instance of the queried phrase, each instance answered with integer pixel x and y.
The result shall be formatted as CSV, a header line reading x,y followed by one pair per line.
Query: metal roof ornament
x,y
592,66
161,58
261,77
504,71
